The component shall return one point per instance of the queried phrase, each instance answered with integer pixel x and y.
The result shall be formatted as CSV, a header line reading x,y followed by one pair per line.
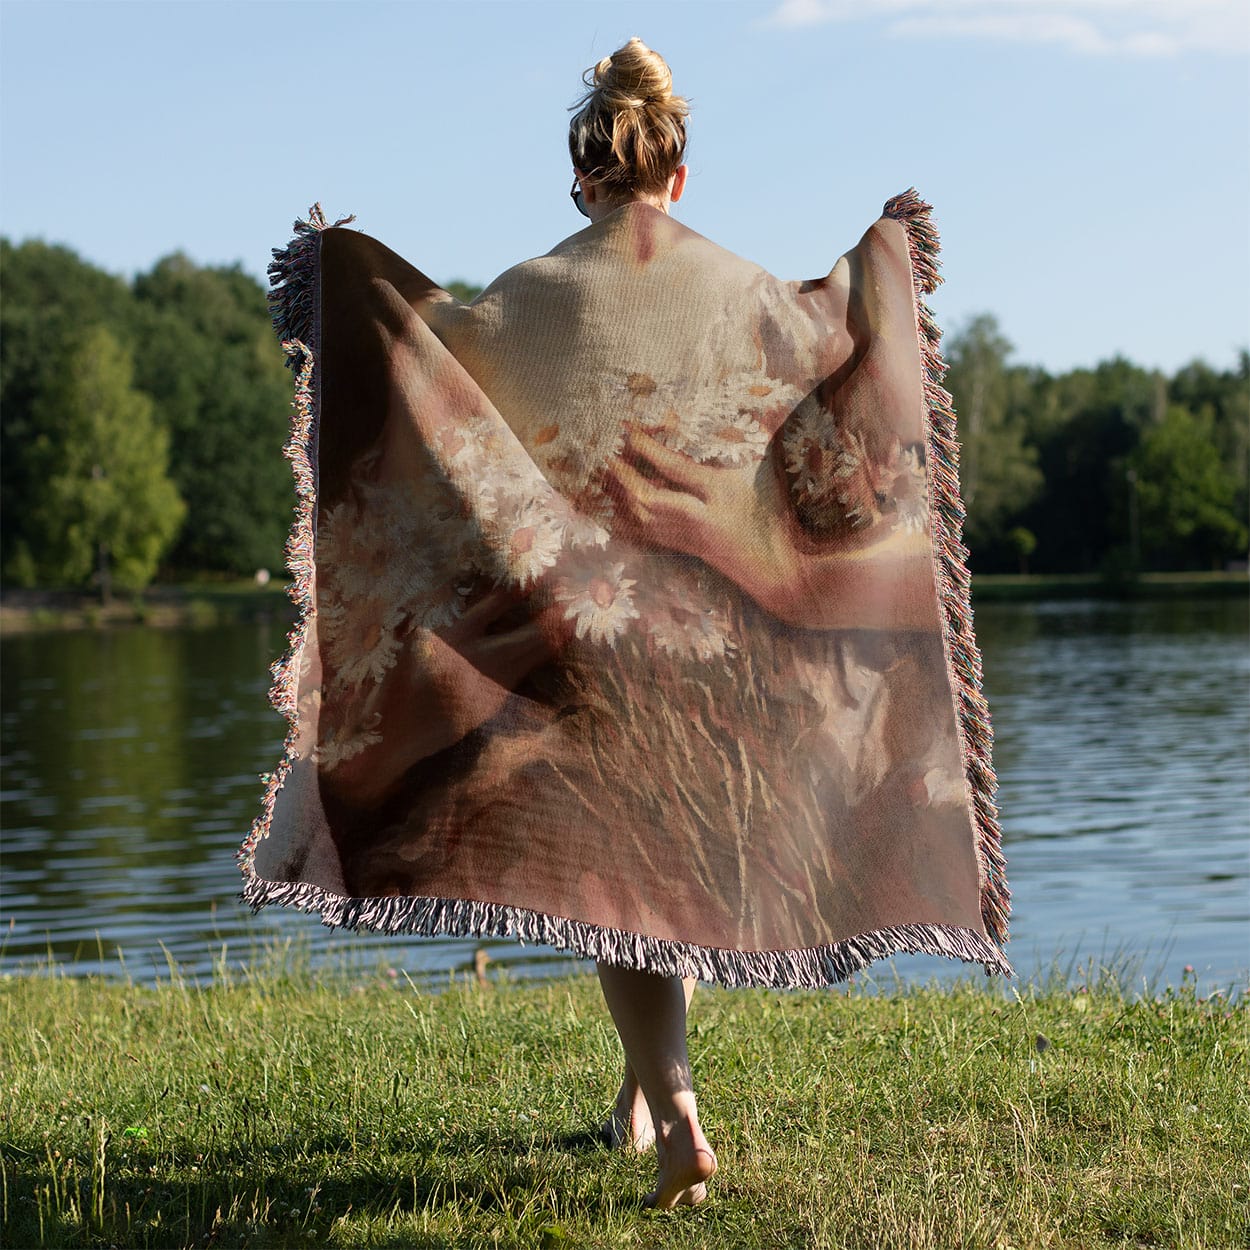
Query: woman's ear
x,y
678,184
588,186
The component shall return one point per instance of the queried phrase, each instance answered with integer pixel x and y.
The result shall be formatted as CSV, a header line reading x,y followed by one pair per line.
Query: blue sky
x,y
1089,160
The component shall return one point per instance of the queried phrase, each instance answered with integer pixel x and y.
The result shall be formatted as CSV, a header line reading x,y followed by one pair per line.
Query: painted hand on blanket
x,y
461,675
731,518
739,521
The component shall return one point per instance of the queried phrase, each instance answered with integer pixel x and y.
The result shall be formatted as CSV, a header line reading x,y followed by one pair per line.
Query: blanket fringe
x,y
954,581
295,297
784,969
294,302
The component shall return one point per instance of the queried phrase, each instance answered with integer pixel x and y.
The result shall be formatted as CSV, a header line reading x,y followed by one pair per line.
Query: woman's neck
x,y
602,207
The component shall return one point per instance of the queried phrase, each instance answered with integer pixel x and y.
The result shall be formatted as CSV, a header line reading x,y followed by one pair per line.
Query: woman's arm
x,y
739,521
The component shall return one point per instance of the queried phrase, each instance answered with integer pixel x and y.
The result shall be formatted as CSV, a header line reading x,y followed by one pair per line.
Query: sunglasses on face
x,y
576,196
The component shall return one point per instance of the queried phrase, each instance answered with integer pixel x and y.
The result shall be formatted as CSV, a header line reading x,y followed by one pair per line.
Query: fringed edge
x,y
294,303
284,689
797,969
963,659
295,296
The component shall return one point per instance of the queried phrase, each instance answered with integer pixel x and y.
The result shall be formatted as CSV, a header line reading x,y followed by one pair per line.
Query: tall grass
x,y
281,1107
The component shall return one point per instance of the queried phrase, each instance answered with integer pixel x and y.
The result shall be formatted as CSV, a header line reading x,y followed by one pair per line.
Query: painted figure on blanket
x,y
738,534
727,578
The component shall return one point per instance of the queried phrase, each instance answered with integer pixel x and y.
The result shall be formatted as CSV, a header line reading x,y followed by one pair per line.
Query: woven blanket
x,y
634,617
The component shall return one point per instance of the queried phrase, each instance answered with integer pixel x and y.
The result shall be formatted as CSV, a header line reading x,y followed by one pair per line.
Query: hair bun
x,y
634,76
629,131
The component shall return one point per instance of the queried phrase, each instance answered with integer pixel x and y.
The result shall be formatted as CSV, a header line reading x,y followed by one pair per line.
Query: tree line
x,y
1113,470
142,423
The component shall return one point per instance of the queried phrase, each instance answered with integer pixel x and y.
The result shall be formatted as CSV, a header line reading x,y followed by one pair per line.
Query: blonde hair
x,y
629,131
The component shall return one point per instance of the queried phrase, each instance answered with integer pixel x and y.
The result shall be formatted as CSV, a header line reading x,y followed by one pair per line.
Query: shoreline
x,y
1015,587
173,606
201,605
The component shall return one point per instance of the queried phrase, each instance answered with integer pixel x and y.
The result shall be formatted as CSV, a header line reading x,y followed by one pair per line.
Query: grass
x,y
287,1108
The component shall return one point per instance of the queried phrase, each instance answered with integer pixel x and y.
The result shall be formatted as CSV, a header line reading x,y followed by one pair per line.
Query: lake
x,y
131,760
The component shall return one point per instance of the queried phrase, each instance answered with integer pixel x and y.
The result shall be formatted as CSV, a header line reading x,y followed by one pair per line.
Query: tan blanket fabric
x,y
634,614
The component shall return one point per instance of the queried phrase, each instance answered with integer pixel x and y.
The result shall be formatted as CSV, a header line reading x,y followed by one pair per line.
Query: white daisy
x,y
579,530
532,544
811,450
333,534
499,459
748,391
331,610
470,460
374,548
579,462
366,651
911,493
501,490
309,712
482,433
731,439
331,634
449,444
341,745
451,536
699,630
848,463
440,610
519,475
595,506
479,500
600,600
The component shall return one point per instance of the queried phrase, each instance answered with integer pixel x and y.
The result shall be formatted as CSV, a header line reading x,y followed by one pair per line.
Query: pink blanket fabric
x,y
634,614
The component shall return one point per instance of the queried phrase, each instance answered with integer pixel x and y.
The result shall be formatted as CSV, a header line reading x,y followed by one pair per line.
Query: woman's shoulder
x,y
637,240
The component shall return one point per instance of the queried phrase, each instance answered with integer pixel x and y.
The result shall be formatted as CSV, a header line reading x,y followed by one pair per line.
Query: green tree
x,y
1223,398
466,292
105,506
1024,543
1186,495
1085,424
997,466
208,357
51,298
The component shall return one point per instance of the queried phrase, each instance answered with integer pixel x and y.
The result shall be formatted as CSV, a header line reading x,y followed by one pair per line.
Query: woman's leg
x,y
629,1124
650,1015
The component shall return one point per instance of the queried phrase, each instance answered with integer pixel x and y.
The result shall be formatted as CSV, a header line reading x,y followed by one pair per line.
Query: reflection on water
x,y
131,764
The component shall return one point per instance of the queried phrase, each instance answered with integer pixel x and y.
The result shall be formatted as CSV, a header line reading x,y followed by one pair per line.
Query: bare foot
x,y
686,1165
629,1126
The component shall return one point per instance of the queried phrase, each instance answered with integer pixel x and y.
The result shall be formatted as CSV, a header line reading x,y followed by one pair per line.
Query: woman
x,y
627,142
635,622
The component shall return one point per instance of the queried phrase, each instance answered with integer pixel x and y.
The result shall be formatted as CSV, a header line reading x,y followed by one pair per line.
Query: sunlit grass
x,y
277,1107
